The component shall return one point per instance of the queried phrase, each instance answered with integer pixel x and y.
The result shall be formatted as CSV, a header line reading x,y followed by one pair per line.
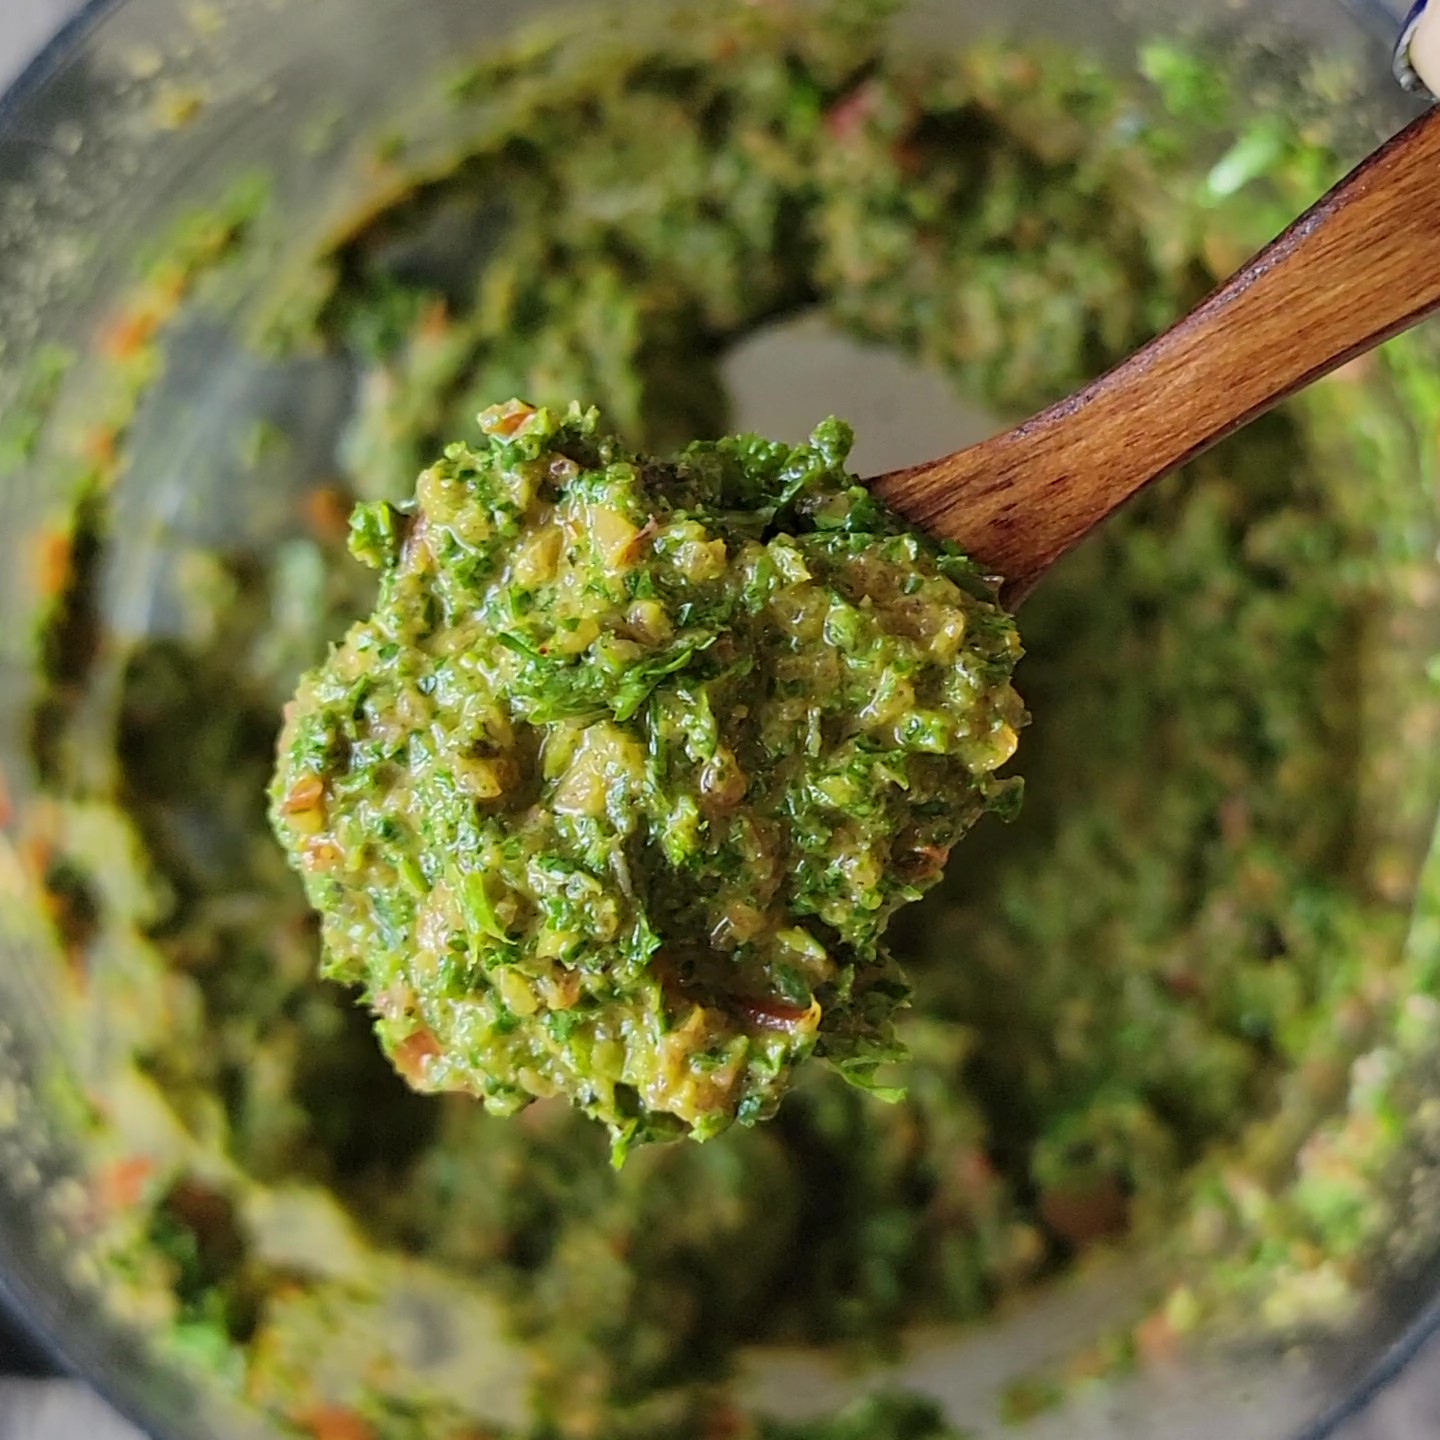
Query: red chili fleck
x,y
127,332
908,156
726,1422
335,1422
974,1173
1183,984
847,116
102,445
305,794
36,854
1156,1340
774,1014
53,553
327,512
506,419
121,1184
632,547
923,861
435,320
412,1056
1089,1213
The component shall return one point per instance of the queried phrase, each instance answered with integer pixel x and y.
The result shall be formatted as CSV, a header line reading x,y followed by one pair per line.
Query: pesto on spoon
x,y
614,794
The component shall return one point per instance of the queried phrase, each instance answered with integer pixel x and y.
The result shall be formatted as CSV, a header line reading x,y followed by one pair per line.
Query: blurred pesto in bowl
x,y
1183,1004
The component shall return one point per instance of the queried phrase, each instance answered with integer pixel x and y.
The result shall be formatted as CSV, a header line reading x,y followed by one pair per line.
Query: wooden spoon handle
x,y
1361,265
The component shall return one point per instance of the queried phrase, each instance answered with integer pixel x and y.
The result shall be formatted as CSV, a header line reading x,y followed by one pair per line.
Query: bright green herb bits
x,y
613,795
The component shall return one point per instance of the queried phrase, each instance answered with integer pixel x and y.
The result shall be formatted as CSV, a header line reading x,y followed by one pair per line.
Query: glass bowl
x,y
142,113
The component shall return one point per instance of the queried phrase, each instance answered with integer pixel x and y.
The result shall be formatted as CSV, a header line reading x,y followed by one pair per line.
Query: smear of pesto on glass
x,y
613,795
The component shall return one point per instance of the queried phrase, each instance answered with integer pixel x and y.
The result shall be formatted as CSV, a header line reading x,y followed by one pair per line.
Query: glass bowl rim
x,y
20,1301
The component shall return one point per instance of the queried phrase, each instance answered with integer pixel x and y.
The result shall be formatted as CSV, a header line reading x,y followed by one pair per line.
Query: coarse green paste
x,y
1181,1005
614,794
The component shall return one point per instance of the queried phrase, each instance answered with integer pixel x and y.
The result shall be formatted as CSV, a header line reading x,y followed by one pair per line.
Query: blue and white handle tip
x,y
1417,51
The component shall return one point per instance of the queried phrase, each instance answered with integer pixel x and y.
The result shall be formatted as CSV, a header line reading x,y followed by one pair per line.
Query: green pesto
x,y
1178,1005
615,793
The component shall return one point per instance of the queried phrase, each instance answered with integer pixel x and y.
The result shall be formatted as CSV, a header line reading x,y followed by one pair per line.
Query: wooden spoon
x,y
1358,267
